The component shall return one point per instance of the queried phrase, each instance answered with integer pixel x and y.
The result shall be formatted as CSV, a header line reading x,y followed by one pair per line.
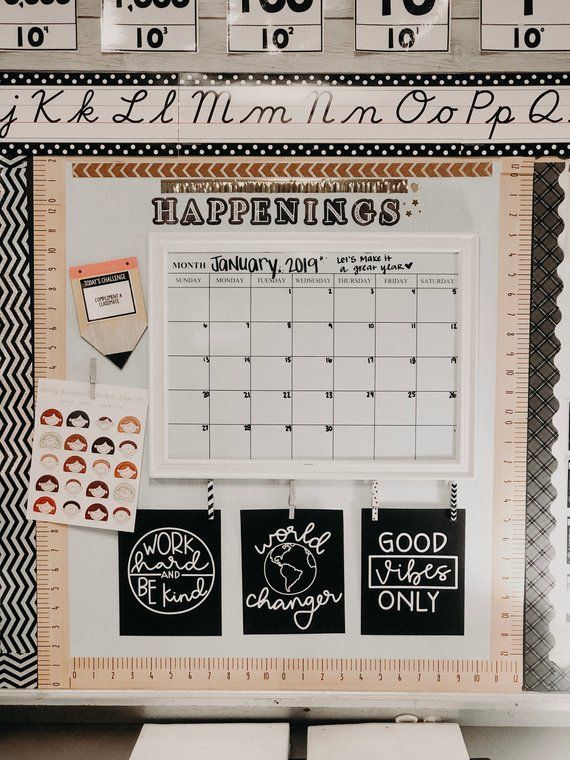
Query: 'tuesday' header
x,y
218,109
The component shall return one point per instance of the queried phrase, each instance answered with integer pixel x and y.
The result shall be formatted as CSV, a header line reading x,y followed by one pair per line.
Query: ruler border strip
x,y
511,405
365,675
50,351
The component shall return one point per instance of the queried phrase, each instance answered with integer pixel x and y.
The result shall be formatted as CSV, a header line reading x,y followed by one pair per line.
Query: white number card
x,y
29,25
146,25
525,25
402,25
273,26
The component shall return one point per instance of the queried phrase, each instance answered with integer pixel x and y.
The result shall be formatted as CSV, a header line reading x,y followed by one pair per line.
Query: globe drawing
x,y
290,568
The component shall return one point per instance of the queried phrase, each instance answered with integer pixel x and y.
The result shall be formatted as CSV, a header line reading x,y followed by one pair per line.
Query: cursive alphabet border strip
x,y
368,115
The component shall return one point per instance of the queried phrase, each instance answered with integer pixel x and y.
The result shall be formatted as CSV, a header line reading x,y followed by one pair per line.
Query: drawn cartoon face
x,y
74,464
101,466
104,423
98,490
129,425
73,486
124,492
97,512
103,446
45,506
50,441
52,417
48,484
75,442
122,514
78,419
126,470
127,448
71,508
49,461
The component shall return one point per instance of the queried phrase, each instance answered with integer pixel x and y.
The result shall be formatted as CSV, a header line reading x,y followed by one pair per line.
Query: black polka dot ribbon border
x,y
315,150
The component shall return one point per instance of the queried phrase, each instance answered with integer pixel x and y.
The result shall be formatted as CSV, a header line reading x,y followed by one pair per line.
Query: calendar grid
x,y
327,365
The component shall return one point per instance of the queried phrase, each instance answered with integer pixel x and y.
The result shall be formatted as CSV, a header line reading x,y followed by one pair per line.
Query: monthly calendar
x,y
324,356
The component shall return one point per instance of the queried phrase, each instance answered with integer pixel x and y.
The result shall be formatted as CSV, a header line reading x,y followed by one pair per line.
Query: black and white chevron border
x,y
18,622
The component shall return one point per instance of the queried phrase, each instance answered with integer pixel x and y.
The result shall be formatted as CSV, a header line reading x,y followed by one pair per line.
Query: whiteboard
x,y
312,356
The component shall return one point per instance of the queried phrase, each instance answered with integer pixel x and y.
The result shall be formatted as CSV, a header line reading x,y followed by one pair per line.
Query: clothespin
x,y
375,500
210,500
92,377
292,499
453,501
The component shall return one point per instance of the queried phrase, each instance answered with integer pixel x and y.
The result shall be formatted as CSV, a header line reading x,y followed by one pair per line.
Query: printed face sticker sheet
x,y
87,454
293,571
170,575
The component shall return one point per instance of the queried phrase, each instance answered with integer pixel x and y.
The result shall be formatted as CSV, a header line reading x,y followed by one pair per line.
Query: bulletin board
x,y
464,226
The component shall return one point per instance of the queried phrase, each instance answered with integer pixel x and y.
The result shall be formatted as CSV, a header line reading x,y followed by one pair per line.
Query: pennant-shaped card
x,y
110,306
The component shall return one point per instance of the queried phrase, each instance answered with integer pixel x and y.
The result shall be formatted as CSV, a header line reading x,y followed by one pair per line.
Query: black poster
x,y
413,572
170,575
292,571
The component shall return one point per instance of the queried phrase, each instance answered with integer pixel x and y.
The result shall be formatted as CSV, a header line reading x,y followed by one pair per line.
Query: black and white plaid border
x,y
540,672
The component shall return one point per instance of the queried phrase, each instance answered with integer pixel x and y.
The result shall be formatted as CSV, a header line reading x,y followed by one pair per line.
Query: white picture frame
x,y
462,466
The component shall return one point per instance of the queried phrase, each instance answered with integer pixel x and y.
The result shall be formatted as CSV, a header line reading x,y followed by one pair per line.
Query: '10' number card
x,y
525,25
272,26
29,25
402,25
144,25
